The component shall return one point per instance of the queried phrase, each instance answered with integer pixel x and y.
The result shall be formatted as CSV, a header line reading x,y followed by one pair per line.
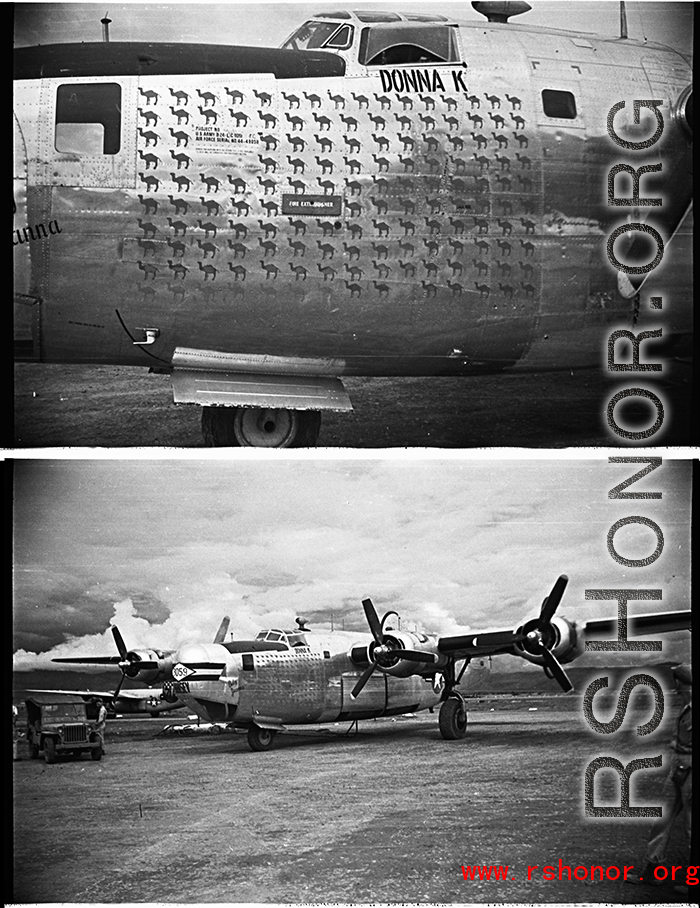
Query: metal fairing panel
x,y
472,227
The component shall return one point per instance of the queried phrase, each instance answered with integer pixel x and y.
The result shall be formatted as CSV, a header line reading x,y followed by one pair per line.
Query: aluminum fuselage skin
x,y
466,229
302,685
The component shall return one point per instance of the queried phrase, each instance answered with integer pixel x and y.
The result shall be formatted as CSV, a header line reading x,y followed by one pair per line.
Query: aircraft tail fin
x,y
223,630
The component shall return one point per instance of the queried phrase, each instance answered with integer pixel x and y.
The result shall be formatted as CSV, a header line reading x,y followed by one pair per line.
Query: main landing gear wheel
x,y
233,427
453,719
260,738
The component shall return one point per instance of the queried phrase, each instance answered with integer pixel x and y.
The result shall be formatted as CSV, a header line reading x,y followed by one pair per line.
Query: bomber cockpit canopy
x,y
379,38
287,638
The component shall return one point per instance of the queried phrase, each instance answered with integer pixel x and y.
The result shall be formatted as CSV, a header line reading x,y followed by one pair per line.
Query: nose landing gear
x,y
260,427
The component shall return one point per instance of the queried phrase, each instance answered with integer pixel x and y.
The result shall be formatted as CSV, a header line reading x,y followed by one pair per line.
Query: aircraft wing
x,y
104,694
90,660
657,623
466,646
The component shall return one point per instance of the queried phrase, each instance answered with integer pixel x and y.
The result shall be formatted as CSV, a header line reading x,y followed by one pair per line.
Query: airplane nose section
x,y
196,662
203,682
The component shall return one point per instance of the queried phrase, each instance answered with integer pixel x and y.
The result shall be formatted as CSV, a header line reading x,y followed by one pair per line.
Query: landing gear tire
x,y
260,738
234,427
453,719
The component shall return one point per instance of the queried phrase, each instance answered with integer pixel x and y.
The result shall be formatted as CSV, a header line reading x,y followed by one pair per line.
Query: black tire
x,y
234,427
260,738
96,752
453,719
50,750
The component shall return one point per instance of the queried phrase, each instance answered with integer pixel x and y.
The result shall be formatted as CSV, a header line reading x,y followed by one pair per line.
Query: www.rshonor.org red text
x,y
677,873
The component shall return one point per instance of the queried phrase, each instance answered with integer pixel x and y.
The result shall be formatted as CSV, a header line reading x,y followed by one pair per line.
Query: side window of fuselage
x,y
88,118
559,104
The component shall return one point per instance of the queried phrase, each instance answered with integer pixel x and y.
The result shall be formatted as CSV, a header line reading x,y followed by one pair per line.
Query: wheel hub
x,y
265,428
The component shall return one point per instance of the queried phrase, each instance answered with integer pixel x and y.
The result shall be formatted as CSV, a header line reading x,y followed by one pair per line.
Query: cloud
x,y
452,546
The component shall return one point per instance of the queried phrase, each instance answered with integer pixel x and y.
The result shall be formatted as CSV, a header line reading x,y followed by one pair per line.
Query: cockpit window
x,y
377,17
296,640
342,38
310,35
397,44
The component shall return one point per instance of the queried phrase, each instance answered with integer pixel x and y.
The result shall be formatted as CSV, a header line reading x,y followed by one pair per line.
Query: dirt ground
x,y
389,815
109,406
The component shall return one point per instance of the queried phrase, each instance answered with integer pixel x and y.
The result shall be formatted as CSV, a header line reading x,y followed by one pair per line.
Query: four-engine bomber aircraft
x,y
383,195
301,677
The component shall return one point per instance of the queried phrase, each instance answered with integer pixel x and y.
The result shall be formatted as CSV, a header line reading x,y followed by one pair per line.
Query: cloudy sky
x,y
245,23
165,549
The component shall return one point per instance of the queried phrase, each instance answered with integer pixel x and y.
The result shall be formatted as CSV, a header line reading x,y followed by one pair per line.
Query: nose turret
x,y
207,681
200,662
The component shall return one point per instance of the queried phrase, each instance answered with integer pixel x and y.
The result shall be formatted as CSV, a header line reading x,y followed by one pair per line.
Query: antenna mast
x,y
105,28
623,20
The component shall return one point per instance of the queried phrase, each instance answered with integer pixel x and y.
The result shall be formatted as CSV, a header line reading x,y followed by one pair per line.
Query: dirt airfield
x,y
388,815
110,406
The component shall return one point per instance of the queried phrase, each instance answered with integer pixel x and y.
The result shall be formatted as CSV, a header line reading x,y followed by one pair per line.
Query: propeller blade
x,y
375,624
412,655
362,680
119,640
557,671
551,603
118,689
388,615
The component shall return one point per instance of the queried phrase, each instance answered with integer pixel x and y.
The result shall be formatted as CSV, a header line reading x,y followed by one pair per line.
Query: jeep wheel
x,y
50,750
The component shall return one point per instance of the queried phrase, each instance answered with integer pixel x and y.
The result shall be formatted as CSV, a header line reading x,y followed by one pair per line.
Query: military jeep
x,y
58,724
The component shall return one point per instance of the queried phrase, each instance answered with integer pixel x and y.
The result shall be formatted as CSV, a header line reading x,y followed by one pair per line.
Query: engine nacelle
x,y
387,655
562,638
148,665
